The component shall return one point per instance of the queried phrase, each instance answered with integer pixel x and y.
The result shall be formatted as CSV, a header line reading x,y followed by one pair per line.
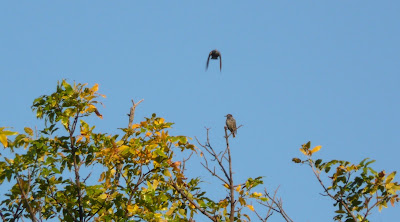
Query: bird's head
x,y
228,116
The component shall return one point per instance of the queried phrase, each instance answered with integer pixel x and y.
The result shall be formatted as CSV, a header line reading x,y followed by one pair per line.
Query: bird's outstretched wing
x,y
208,60
220,62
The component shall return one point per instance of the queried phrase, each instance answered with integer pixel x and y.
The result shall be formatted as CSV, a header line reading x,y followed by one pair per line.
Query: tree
x,y
139,177
355,188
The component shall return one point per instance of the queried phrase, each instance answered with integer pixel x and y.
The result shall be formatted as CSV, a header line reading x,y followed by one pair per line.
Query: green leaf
x,y
327,169
159,152
66,86
369,162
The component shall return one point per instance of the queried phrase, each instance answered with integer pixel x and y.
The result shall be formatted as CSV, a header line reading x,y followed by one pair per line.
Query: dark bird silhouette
x,y
231,124
214,54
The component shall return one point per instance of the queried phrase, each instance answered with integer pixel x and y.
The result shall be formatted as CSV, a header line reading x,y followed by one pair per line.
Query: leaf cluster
x,y
356,188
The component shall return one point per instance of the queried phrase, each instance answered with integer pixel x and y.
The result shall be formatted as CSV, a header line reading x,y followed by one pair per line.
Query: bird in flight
x,y
231,124
214,54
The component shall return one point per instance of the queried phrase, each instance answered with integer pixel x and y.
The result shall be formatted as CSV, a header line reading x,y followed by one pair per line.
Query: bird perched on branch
x,y
231,124
214,54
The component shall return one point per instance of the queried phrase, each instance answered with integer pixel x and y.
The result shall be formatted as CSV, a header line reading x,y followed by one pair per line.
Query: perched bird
x,y
214,54
231,124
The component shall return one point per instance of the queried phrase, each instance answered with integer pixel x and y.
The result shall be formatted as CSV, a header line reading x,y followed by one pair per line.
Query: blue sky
x,y
292,71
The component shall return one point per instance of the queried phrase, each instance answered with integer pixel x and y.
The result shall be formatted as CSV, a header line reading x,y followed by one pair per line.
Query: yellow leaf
x,y
41,158
103,196
148,134
255,194
303,151
242,201
135,126
28,131
155,184
390,177
250,207
158,216
171,211
95,88
123,148
102,176
167,173
160,121
132,209
113,171
3,140
316,149
238,188
226,186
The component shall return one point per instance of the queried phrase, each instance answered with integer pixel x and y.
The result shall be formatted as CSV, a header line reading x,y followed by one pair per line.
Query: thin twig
x,y
25,198
191,201
76,167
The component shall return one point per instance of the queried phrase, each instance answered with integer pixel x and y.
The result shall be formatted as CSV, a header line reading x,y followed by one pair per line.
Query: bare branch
x,y
132,112
278,206
212,152
231,185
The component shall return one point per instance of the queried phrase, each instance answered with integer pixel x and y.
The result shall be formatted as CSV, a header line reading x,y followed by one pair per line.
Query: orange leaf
x,y
176,164
79,139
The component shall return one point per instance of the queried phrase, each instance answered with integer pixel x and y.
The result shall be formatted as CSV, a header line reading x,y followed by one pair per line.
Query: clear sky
x,y
292,71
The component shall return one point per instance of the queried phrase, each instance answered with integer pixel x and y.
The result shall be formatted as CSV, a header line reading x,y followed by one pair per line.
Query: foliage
x,y
137,178
42,187
356,188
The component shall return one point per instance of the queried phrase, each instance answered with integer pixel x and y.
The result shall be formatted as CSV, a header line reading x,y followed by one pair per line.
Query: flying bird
x,y
231,124
214,54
